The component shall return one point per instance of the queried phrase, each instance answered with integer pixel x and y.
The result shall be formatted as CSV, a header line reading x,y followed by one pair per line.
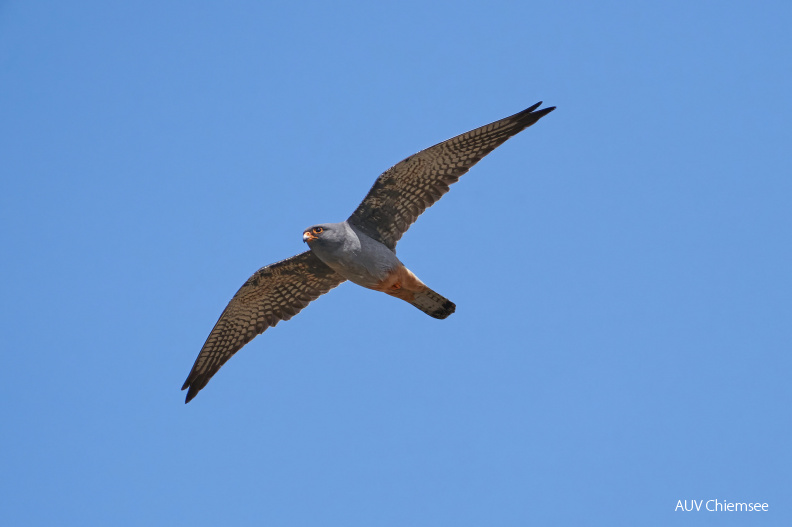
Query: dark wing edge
x,y
274,293
409,187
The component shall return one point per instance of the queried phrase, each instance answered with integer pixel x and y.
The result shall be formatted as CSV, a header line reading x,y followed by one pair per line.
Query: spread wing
x,y
274,293
408,188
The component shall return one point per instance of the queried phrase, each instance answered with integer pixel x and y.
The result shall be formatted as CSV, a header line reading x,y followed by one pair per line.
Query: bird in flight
x,y
361,249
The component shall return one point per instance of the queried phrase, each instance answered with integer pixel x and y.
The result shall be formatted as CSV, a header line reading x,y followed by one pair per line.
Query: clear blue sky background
x,y
621,270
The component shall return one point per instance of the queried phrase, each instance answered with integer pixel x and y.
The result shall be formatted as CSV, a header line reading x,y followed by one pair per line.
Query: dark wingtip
x,y
190,395
189,383
540,113
532,108
530,115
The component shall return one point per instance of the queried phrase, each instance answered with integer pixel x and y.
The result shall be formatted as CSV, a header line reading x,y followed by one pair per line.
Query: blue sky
x,y
621,270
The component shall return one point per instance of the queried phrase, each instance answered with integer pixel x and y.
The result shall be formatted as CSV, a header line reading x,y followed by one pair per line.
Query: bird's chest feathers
x,y
359,259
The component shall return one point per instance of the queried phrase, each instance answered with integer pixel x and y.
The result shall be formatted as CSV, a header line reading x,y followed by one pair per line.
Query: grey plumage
x,y
369,263
353,254
361,249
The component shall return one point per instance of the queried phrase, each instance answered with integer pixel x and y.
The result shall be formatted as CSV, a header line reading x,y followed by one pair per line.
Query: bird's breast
x,y
367,263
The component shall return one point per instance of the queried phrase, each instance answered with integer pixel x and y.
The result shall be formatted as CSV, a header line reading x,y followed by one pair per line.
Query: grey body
x,y
354,255
361,259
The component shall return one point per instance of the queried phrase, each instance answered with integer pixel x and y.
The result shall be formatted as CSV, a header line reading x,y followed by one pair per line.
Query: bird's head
x,y
326,234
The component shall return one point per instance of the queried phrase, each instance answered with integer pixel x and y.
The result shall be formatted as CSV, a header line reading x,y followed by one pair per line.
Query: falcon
x,y
361,249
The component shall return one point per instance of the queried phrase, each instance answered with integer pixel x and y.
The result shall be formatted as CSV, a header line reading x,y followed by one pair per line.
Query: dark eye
x,y
317,230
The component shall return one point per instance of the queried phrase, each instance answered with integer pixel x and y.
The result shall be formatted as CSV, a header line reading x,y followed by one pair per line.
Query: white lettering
x,y
693,505
723,506
720,506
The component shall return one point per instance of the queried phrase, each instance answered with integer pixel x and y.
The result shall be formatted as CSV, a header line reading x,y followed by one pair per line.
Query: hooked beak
x,y
308,237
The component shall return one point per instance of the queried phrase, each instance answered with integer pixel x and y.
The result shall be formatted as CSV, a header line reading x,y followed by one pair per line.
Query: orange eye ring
x,y
317,230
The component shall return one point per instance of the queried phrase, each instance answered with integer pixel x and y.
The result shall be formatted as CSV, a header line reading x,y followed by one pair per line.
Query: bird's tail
x,y
402,283
433,304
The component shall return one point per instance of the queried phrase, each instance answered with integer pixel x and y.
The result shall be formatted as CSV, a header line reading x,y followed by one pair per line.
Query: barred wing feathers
x,y
274,293
411,186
